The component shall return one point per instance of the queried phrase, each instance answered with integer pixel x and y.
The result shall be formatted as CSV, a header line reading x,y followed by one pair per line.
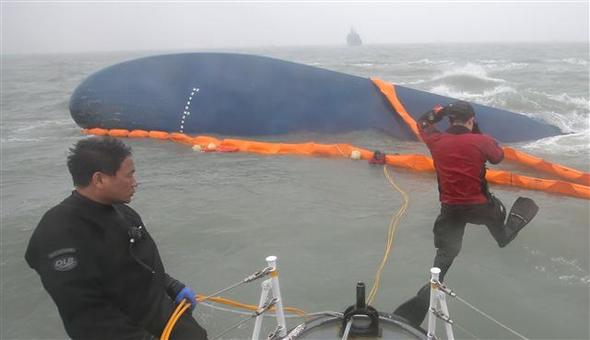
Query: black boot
x,y
414,310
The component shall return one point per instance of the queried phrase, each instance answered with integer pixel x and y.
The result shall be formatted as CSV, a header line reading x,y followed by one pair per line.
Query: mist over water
x,y
216,217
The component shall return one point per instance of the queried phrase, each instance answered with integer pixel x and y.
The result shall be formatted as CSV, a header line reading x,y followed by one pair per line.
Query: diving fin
x,y
522,212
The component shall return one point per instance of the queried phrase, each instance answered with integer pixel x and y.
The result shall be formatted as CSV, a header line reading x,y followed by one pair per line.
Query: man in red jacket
x,y
460,155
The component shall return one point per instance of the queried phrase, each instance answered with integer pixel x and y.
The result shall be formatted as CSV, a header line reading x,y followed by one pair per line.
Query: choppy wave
x,y
562,268
469,70
502,65
563,101
576,272
413,82
20,140
42,124
572,144
427,61
568,123
569,113
575,61
487,97
494,61
580,102
567,62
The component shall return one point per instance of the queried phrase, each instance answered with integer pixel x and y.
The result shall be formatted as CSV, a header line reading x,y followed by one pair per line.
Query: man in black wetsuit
x,y
97,260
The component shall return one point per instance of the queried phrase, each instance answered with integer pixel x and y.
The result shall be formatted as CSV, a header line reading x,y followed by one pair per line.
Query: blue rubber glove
x,y
189,294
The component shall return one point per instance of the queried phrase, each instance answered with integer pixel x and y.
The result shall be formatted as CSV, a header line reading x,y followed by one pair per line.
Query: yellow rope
x,y
394,222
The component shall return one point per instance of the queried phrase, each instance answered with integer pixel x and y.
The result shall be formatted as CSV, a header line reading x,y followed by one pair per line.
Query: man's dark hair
x,y
89,155
459,111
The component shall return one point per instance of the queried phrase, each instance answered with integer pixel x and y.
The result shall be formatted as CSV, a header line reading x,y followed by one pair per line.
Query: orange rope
x,y
181,308
184,305
244,306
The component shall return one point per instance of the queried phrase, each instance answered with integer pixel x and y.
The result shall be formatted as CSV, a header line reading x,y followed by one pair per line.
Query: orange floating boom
x,y
579,177
548,167
421,163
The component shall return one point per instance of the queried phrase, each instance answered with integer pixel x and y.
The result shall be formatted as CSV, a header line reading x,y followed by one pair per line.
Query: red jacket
x,y
459,158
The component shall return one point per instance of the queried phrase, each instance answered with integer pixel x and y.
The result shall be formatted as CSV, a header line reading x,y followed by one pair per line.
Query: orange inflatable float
x,y
421,163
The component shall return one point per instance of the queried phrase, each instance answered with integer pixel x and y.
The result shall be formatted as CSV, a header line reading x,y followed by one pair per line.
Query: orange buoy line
x,y
413,162
570,174
537,163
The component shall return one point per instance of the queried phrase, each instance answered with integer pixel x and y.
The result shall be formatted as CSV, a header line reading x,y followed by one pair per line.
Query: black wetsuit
x,y
104,286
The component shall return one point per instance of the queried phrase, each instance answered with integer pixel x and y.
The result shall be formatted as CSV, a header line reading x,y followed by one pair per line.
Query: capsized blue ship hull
x,y
246,95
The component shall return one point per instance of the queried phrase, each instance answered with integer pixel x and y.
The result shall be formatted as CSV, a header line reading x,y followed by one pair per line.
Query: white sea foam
x,y
19,140
567,123
569,61
493,61
580,102
507,67
414,82
575,61
564,269
572,112
569,263
571,266
427,61
470,70
485,97
501,64
577,143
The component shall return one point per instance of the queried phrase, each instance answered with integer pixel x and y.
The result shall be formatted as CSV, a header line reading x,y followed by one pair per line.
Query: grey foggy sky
x,y
48,27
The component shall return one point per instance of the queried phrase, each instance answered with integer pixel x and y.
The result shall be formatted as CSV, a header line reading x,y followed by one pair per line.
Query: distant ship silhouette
x,y
353,38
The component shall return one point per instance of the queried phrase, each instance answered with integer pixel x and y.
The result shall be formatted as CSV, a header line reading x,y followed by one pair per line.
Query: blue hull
x,y
245,95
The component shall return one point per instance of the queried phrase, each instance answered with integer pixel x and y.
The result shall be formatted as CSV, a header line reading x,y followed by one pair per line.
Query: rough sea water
x,y
216,216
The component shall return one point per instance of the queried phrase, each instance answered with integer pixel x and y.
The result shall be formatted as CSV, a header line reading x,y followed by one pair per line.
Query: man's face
x,y
469,123
120,187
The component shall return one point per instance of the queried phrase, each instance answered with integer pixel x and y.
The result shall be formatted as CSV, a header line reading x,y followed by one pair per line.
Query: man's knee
x,y
448,251
444,259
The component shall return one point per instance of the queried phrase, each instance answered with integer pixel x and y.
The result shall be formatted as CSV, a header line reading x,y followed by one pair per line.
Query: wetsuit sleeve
x,y
70,273
493,151
173,286
426,123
